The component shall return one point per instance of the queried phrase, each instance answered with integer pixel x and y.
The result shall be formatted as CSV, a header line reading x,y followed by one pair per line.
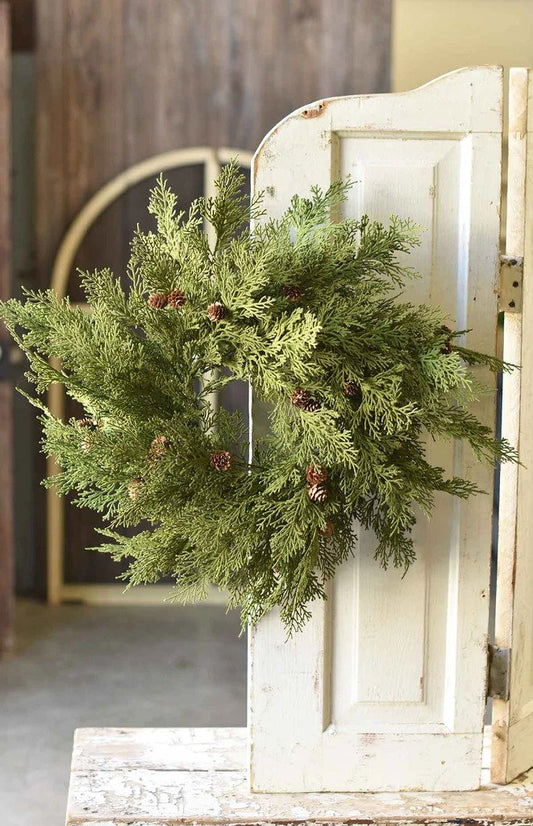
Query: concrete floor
x,y
107,666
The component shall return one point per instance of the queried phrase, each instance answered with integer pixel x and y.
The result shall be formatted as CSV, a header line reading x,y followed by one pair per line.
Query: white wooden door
x,y
385,687
512,749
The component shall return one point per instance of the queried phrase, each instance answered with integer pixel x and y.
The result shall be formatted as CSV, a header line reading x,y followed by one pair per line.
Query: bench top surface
x,y
163,777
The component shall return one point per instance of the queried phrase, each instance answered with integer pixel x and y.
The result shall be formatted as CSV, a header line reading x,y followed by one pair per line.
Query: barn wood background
x,y
125,79
6,388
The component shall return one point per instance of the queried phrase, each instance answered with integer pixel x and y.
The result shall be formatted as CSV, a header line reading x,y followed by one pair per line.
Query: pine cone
x,y
317,493
134,488
216,311
86,422
159,446
300,398
312,406
221,460
86,444
177,299
303,400
292,292
326,532
351,389
158,300
446,348
315,474
90,425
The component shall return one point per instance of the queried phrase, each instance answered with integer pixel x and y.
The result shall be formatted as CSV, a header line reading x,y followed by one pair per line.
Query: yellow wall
x,y
432,37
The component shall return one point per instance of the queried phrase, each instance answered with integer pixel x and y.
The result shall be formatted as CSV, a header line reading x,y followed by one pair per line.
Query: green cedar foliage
x,y
309,304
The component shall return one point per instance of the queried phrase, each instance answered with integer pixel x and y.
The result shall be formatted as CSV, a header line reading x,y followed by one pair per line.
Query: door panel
x,y
385,687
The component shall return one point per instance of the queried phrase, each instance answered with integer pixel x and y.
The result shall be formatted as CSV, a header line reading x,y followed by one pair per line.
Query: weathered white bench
x,y
163,777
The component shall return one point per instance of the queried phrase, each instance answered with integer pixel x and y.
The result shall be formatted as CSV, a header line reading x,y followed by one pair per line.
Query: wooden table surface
x,y
163,777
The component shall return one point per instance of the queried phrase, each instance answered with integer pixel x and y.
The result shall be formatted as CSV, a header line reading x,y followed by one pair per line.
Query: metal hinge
x,y
499,668
510,286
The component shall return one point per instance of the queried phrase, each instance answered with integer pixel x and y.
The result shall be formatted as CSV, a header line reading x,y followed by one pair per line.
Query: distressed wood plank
x,y
211,790
22,25
431,821
6,388
360,32
95,100
94,88
51,133
513,718
51,210
163,749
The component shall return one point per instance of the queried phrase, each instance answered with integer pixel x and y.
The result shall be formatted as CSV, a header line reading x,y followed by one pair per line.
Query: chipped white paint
x,y
385,687
158,749
165,777
513,720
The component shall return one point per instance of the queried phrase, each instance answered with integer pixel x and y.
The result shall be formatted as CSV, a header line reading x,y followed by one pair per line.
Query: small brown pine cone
x,y
134,489
86,422
303,400
158,300
86,444
300,398
217,311
326,532
292,292
317,493
159,446
351,389
315,474
312,406
221,460
177,299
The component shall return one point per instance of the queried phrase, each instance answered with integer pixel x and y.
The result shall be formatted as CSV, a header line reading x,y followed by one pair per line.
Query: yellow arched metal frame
x,y
212,159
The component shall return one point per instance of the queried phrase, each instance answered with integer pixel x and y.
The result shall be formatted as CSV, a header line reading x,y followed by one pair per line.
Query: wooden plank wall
x,y
6,388
125,79
121,80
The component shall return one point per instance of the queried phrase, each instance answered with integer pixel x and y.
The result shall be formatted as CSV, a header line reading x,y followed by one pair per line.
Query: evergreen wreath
x,y
304,309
